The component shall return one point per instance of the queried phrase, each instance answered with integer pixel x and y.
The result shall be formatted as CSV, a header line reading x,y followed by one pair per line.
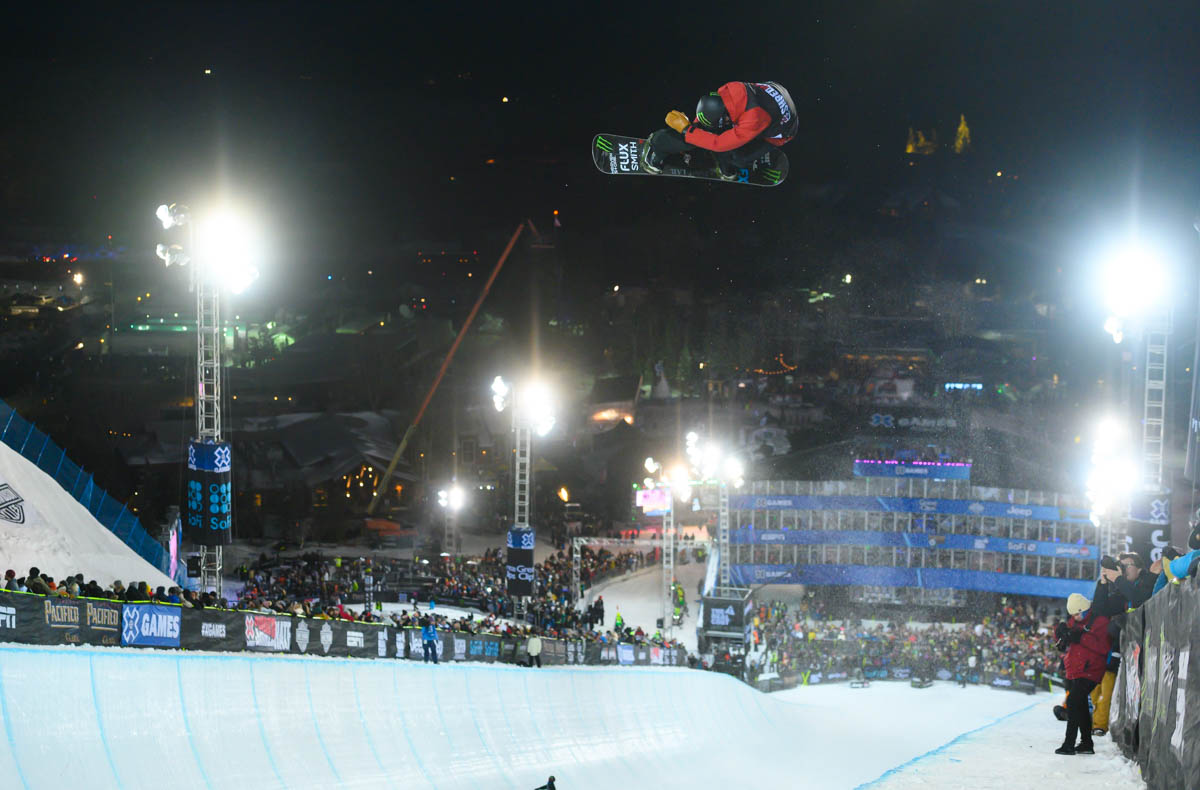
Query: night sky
x,y
344,122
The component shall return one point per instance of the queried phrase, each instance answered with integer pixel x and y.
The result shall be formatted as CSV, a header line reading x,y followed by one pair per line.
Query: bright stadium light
x,y
500,393
651,465
733,471
172,255
1113,475
172,215
537,407
452,498
230,250
1133,283
680,482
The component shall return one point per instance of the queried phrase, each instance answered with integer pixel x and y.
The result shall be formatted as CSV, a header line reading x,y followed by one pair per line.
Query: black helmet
x,y
711,112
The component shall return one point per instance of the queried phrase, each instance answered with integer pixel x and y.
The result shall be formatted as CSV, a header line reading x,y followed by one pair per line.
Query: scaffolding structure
x,y
208,396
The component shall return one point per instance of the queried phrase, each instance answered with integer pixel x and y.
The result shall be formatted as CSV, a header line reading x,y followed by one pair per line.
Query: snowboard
x,y
619,155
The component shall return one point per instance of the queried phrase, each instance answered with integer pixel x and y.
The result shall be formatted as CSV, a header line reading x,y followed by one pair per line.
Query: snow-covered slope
x,y
638,596
150,719
43,525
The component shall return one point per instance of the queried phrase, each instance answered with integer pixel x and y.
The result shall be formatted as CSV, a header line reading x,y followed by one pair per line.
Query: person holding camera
x,y
1084,638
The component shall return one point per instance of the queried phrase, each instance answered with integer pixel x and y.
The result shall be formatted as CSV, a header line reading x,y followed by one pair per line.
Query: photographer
x,y
1084,638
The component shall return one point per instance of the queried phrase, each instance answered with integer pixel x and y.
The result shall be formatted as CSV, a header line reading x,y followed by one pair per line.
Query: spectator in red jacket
x,y
1084,636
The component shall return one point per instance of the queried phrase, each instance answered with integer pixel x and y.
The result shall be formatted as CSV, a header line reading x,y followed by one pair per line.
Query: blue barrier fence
x,y
22,436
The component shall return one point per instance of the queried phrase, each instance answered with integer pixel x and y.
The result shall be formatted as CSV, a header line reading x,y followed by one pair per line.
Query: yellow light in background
x,y
564,494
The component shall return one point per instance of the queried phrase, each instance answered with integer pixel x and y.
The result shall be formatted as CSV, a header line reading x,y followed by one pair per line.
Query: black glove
x,y
1060,631
1074,635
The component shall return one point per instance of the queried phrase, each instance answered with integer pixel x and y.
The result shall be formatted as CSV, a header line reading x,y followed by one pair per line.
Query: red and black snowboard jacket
x,y
757,110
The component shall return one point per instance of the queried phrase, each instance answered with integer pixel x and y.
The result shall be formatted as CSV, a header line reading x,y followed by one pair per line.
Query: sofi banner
x,y
887,504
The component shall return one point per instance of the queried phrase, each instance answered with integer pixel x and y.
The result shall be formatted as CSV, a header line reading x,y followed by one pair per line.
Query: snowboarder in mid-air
x,y
548,786
738,123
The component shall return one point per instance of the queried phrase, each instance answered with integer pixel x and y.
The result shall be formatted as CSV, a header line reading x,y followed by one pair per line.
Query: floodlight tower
x,y
708,464
1136,296
451,501
532,412
223,252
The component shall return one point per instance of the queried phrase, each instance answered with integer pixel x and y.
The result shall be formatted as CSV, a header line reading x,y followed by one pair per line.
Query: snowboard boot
x,y
1066,749
651,162
1100,732
1085,747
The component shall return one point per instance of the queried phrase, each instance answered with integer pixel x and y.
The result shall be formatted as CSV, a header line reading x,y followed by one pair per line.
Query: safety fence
x,y
1155,714
23,437
47,620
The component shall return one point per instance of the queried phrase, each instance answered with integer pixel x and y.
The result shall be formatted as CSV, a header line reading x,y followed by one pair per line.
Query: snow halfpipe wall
x,y
120,718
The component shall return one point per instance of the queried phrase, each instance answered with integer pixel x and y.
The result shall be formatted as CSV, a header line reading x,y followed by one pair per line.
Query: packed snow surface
x,y
147,719
42,525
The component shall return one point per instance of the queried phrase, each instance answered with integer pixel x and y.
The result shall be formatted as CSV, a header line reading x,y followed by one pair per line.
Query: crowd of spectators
x,y
74,586
796,639
316,586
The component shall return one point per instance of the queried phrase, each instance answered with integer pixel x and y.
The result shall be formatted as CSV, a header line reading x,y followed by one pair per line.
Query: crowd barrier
x,y
36,620
1155,718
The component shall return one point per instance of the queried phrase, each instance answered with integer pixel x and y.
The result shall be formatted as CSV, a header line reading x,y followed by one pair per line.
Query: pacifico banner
x,y
36,620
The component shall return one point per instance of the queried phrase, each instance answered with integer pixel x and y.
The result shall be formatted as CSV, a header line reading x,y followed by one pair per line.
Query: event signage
x,y
212,629
265,632
724,615
888,576
33,619
208,508
913,540
885,504
519,563
653,500
150,625
926,470
51,620
1151,507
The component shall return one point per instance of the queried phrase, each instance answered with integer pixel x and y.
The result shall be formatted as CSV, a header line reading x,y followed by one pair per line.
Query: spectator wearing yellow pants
x,y
1101,697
